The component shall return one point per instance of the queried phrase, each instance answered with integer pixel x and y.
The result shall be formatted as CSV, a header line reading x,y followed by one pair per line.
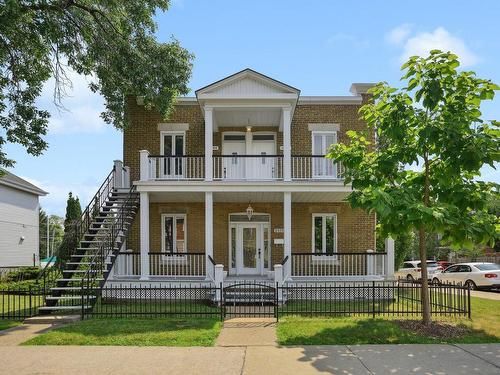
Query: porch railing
x,y
248,167
128,264
177,264
307,264
315,167
186,167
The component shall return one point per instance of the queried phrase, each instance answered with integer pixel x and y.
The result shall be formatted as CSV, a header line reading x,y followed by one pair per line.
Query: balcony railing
x,y
315,167
320,265
177,167
241,167
248,167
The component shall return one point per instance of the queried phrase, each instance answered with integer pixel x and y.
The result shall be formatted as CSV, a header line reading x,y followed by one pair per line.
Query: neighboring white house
x,y
19,233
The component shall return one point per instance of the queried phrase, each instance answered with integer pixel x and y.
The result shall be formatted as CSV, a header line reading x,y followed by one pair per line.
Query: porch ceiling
x,y
231,197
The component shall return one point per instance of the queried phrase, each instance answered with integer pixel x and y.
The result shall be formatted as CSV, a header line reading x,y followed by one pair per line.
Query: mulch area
x,y
434,329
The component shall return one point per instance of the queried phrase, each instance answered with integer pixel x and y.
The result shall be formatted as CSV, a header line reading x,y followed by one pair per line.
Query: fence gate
x,y
250,299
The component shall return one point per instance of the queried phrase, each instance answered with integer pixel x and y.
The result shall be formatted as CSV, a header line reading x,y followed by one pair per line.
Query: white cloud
x,y
421,43
55,201
82,107
399,34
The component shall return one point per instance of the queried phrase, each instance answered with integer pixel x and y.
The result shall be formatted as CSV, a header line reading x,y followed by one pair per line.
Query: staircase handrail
x,y
82,223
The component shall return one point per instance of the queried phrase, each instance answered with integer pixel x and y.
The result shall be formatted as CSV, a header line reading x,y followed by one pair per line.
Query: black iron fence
x,y
18,303
371,299
204,300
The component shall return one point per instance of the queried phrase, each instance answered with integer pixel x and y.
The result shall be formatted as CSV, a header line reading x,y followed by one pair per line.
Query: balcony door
x,y
172,148
233,168
323,167
265,167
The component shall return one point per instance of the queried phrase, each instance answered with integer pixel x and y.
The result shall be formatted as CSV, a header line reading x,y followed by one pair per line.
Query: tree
x,y
422,172
111,42
73,215
56,233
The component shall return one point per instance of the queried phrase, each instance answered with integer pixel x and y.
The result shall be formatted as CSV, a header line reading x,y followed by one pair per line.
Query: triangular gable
x,y
246,83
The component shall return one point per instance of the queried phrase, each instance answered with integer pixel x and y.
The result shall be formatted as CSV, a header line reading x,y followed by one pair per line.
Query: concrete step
x,y
53,319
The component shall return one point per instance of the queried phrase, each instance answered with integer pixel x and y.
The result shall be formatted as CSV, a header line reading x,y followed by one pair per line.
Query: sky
x,y
320,47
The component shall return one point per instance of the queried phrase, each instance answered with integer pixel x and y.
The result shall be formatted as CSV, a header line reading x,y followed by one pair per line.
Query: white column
x,y
287,144
249,164
218,280
287,229
370,263
278,280
144,165
144,235
209,143
209,229
118,172
389,258
126,177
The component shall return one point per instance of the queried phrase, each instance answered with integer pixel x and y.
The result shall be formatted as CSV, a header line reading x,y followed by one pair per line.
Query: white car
x,y
411,270
476,275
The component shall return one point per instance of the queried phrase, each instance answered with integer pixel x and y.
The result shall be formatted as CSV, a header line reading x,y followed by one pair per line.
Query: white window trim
x,y
170,127
163,250
334,133
324,127
322,257
162,140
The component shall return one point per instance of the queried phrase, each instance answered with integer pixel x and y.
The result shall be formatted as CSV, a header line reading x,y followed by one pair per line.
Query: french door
x,y
250,248
172,165
323,167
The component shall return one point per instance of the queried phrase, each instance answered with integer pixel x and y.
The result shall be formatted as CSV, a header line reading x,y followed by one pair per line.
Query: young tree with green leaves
x,y
111,42
417,165
73,215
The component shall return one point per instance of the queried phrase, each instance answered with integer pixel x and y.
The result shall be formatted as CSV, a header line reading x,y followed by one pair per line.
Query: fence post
x,y
83,302
276,293
29,291
222,307
373,299
370,263
219,279
468,302
278,279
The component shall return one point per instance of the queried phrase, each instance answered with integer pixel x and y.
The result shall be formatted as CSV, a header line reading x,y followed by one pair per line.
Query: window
x,y
463,268
451,269
263,137
234,137
174,233
172,145
321,142
408,265
324,233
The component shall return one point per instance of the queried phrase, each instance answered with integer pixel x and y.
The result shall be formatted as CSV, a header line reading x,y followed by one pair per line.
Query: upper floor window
x,y
322,167
173,148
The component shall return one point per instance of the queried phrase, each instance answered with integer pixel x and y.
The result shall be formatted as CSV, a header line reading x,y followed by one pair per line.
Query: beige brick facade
x,y
355,229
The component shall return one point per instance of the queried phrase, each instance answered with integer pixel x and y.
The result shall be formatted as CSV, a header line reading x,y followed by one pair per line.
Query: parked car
x,y
444,264
411,270
475,275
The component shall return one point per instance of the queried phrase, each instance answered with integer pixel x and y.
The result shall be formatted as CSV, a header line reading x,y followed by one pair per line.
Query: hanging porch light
x,y
249,212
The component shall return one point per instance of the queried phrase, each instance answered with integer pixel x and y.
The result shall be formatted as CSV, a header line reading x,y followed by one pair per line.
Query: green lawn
x,y
295,330
19,306
140,332
5,324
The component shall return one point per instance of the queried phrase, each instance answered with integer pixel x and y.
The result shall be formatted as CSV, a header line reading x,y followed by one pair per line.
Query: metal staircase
x,y
98,237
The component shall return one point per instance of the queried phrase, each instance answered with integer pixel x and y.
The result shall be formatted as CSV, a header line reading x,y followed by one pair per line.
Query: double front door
x,y
250,248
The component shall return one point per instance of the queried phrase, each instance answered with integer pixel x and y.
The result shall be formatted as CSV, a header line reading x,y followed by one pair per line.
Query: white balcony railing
x,y
239,167
176,167
315,167
338,264
248,167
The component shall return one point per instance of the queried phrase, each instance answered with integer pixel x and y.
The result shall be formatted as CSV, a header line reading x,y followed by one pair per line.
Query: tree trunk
x,y
426,308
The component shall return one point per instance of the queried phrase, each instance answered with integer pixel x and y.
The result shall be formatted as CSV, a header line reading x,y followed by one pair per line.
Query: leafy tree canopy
x,y
422,172
111,41
73,211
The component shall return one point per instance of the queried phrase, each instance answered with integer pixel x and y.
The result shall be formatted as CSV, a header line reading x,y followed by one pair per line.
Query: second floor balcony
x,y
239,168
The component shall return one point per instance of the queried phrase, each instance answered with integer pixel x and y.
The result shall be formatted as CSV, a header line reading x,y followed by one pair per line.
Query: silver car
x,y
475,275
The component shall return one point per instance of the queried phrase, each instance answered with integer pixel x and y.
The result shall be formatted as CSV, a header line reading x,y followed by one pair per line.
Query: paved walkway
x,y
245,347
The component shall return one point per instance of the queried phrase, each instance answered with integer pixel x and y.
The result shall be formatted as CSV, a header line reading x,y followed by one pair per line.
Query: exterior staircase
x,y
99,236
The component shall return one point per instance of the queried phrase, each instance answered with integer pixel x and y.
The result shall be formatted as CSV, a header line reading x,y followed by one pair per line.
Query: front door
x,y
250,252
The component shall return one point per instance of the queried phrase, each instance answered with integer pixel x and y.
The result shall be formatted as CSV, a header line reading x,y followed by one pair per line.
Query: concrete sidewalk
x,y
254,360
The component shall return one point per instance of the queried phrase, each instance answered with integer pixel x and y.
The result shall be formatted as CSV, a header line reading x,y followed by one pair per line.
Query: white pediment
x,y
247,83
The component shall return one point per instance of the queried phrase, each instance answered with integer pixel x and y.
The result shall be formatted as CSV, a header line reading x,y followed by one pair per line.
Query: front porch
x,y
269,236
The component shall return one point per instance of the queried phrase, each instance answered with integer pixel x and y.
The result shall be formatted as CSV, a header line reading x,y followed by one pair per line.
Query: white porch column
x,y
287,144
126,177
144,235
209,229
287,229
209,143
118,172
144,164
389,258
